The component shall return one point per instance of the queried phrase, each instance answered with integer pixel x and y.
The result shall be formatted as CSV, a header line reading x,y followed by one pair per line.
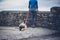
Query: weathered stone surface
x,y
56,16
13,33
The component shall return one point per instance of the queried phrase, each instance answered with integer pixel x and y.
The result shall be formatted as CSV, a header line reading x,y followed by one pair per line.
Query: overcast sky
x,y
43,5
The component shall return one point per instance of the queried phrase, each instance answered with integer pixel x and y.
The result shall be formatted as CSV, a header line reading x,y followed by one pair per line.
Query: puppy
x,y
22,26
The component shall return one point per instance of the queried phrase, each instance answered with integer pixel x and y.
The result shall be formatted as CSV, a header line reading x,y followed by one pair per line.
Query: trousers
x,y
32,17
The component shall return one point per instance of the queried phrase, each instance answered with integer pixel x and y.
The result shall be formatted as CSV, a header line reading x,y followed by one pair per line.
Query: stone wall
x,y
10,18
56,17
13,18
44,19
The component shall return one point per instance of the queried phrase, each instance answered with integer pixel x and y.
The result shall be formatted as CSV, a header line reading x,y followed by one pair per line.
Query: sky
x,y
22,5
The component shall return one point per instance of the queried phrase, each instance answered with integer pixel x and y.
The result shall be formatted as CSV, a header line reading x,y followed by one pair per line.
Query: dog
x,y
22,26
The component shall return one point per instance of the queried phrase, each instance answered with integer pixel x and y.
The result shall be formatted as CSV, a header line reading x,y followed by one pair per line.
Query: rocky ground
x,y
13,33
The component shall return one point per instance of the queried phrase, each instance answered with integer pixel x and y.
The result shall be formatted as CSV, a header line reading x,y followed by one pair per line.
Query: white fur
x,y
23,24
